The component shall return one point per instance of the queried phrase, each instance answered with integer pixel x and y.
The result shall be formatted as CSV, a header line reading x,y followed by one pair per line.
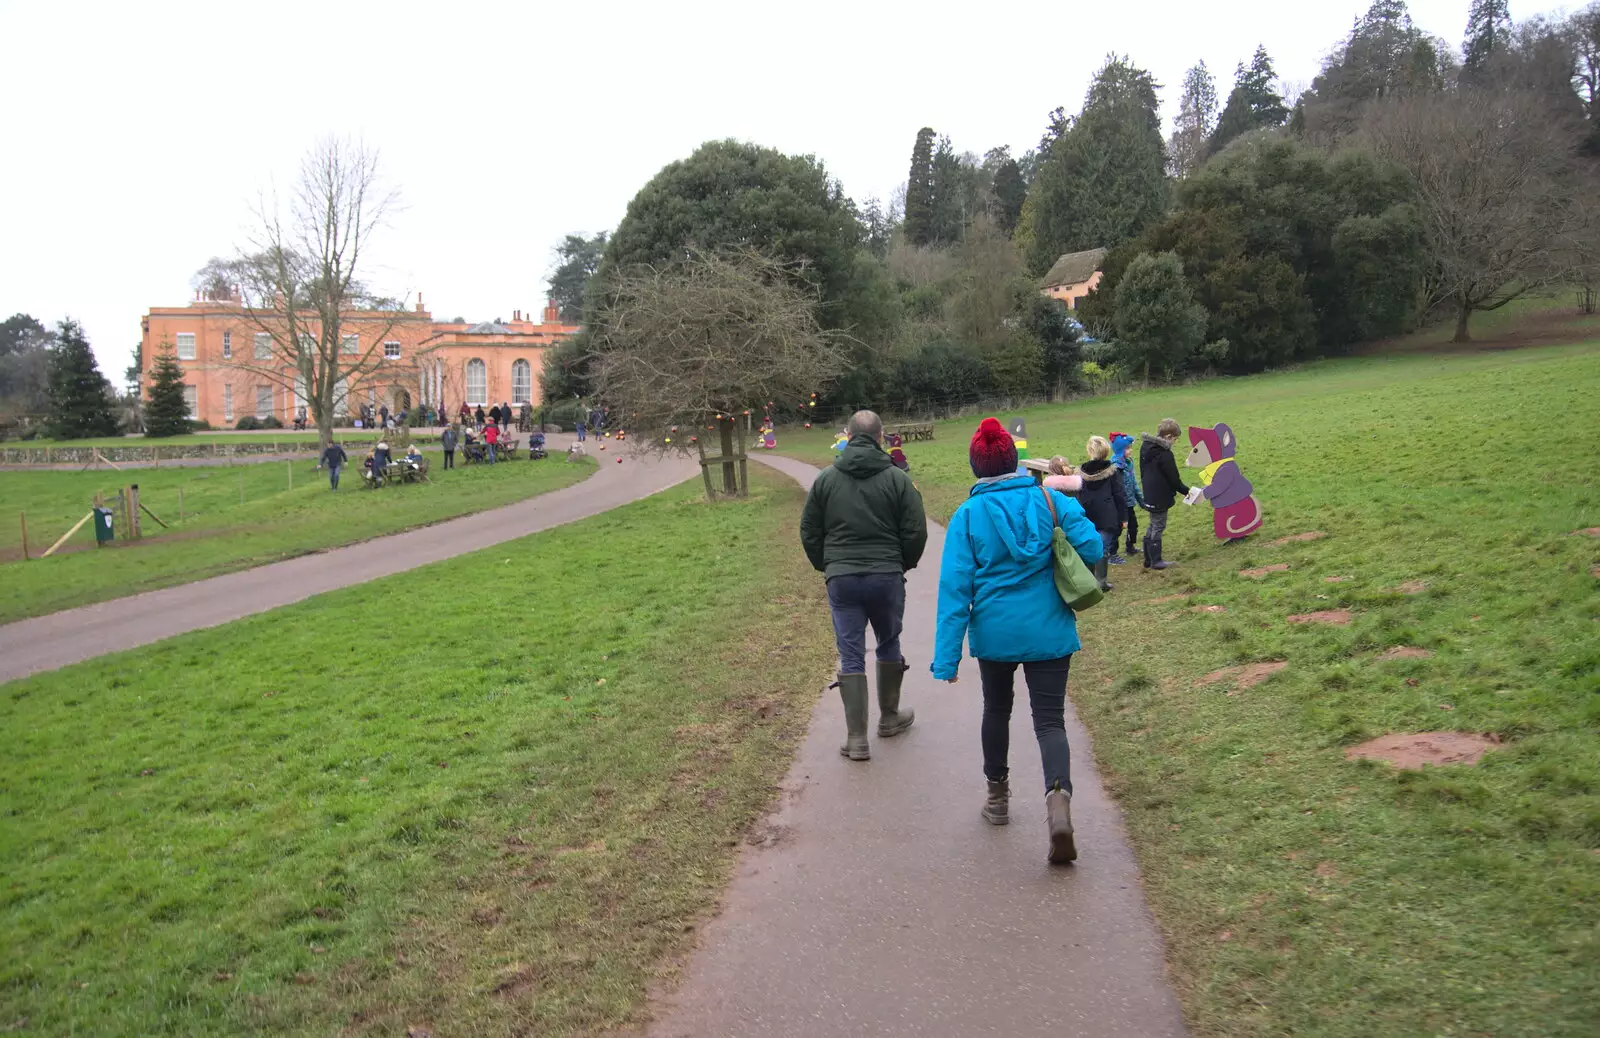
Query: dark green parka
x,y
863,515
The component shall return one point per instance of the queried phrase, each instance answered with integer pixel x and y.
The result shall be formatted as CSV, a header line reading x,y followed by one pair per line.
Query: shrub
x,y
247,424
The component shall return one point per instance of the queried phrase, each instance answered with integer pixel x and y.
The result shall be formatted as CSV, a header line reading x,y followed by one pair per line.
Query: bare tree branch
x,y
715,335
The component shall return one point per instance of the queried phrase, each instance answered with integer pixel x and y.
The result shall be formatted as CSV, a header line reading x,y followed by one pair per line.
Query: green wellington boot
x,y
853,690
1058,809
891,719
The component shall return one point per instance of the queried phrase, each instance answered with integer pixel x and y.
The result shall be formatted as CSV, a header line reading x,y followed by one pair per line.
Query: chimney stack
x,y
419,303
551,314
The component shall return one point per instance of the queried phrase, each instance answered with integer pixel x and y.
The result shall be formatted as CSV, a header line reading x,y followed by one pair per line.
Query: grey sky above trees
x,y
130,181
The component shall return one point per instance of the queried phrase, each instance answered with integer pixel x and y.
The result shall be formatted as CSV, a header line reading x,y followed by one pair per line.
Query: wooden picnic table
x,y
912,431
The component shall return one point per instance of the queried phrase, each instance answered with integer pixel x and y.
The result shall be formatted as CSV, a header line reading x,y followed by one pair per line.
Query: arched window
x,y
477,382
521,382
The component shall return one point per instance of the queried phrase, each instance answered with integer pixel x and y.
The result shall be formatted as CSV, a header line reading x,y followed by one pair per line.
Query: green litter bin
x,y
103,531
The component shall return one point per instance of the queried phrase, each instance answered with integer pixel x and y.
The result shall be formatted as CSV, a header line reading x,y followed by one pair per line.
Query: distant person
x,y
1122,457
495,414
1103,500
380,462
525,419
1063,476
1158,470
333,459
447,441
863,527
466,413
491,436
997,592
383,416
478,416
581,426
505,416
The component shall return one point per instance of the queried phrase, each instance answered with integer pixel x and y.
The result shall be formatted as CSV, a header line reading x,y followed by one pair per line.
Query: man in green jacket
x,y
863,528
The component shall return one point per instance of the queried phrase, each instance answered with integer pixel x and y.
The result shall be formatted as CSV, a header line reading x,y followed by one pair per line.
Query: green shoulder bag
x,y
1077,586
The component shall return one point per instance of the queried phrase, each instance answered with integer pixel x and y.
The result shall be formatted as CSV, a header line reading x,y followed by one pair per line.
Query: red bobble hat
x,y
992,452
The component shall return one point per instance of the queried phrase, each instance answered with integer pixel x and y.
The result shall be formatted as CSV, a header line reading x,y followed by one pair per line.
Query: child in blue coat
x,y
997,593
1121,444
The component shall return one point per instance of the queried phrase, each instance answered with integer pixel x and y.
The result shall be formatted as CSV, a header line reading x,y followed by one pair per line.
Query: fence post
x,y
24,517
180,506
290,466
241,486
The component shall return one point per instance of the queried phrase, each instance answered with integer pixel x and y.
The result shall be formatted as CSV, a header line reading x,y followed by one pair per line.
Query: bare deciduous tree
x,y
714,335
298,280
1495,180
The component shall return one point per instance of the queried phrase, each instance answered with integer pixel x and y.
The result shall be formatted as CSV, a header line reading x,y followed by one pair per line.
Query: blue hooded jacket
x,y
996,581
1124,460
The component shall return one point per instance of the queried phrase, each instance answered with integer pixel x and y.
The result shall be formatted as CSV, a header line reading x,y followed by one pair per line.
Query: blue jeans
x,y
857,599
580,432
333,476
491,454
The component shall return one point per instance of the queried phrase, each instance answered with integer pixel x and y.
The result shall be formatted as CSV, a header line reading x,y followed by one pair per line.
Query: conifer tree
x,y
1197,119
166,413
81,404
920,190
1488,34
1254,104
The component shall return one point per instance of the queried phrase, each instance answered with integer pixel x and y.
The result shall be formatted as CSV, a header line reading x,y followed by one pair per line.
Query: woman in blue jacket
x,y
997,591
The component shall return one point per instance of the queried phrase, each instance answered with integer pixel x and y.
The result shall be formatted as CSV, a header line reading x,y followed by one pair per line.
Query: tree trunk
x,y
1462,317
730,479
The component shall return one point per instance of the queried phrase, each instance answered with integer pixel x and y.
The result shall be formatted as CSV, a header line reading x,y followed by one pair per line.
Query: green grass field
x,y
1301,893
365,813
219,534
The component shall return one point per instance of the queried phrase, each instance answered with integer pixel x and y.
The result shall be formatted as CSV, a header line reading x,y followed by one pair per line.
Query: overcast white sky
x,y
137,134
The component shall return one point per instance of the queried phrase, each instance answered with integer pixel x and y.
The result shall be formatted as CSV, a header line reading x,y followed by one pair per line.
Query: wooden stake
x,y
24,517
134,532
157,518
75,528
180,506
290,466
241,487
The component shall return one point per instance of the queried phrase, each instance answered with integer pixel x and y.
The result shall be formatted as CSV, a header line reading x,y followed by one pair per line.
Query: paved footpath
x,y
73,635
882,904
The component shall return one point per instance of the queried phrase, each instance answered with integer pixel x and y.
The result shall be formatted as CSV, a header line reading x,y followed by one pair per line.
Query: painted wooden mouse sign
x,y
1235,511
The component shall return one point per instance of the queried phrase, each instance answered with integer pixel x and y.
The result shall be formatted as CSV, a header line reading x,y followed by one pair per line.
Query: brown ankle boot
x,y
997,809
1058,810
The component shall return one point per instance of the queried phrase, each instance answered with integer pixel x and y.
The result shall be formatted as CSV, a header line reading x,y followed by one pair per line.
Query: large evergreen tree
x,y
81,402
1384,55
1254,103
1158,322
1197,119
920,190
166,413
1009,192
1105,178
577,259
1488,34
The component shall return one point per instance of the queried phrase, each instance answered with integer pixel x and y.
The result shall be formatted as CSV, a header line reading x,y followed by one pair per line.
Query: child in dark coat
x,y
1162,487
1104,500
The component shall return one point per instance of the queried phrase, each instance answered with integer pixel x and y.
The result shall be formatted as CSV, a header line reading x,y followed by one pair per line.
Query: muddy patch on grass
x,y
1339,617
1336,580
1405,652
1417,749
1208,609
1261,571
1410,587
1593,531
1244,676
1294,538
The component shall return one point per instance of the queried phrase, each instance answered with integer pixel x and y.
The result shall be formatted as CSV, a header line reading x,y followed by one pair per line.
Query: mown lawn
x,y
1301,893
219,532
372,811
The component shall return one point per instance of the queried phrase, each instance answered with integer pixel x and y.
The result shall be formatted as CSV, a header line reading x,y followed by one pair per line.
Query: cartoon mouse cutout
x,y
1235,512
